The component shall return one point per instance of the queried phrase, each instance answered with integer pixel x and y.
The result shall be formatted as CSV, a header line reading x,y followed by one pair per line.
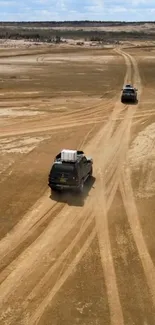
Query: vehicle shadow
x,y
73,198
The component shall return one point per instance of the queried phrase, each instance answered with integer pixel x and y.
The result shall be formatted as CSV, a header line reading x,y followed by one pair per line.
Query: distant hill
x,y
84,23
56,31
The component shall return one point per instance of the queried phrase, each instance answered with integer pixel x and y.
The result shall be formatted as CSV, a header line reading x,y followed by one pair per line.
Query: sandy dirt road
x,y
84,263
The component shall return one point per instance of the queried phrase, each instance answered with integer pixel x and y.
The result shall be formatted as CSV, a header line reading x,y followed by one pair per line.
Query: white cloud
x,y
8,3
77,10
118,9
98,3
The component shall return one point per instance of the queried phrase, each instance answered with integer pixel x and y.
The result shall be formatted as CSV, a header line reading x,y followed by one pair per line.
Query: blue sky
x,y
42,10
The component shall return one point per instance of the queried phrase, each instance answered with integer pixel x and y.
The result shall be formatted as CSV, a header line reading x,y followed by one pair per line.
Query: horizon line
x,y
80,21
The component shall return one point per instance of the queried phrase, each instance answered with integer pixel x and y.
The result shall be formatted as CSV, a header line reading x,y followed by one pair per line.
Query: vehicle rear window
x,y
128,91
63,168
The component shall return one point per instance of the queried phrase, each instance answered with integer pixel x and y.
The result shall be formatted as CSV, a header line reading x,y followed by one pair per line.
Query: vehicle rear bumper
x,y
63,186
128,98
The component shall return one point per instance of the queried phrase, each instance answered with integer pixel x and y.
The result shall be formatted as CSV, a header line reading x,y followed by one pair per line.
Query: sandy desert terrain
x,y
73,261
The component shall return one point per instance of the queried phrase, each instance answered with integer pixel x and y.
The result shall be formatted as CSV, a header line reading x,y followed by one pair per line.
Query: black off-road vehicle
x,y
129,94
70,174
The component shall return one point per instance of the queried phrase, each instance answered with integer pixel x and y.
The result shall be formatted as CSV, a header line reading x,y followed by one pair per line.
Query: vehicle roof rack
x,y
69,156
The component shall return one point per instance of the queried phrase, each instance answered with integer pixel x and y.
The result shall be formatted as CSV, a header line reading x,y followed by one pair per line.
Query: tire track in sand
x,y
101,216
69,119
102,207
132,212
89,202
115,311
45,302
133,218
49,298
35,318
40,290
99,139
30,264
19,265
14,240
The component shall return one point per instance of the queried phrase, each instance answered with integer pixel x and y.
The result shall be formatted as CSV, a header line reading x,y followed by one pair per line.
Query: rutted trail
x,y
107,135
36,317
31,254
11,243
133,217
131,209
24,280
132,212
116,146
28,259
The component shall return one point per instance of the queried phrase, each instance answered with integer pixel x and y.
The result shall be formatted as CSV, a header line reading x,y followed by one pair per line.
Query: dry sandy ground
x,y
69,260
